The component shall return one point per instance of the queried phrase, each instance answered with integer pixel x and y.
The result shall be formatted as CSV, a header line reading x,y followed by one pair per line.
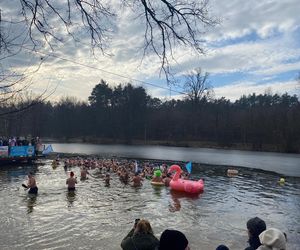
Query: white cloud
x,y
266,57
236,90
275,51
277,69
262,17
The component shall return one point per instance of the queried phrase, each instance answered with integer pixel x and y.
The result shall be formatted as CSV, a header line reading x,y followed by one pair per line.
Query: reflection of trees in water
x,y
31,202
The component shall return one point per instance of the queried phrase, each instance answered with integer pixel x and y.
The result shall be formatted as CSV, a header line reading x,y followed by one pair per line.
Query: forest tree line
x,y
127,114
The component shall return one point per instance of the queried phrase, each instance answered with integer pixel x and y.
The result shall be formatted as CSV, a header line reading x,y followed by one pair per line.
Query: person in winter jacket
x,y
141,237
173,240
272,239
255,227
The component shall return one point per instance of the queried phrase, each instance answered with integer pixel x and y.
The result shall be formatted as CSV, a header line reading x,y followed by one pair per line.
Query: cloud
x,y
259,39
236,90
240,18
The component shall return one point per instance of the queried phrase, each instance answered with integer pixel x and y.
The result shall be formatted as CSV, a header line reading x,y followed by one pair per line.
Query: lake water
x,y
98,217
286,164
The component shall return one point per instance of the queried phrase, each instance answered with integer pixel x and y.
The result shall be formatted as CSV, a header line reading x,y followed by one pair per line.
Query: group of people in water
x,y
141,237
129,172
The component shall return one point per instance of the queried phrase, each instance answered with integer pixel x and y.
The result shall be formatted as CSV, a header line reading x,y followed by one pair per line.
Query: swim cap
x,y
157,173
282,180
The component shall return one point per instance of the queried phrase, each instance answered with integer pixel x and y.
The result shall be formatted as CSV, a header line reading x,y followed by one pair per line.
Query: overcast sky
x,y
255,48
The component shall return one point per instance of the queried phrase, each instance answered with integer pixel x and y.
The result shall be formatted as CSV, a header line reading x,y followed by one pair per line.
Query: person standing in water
x,y
83,173
137,180
33,189
157,176
71,181
167,180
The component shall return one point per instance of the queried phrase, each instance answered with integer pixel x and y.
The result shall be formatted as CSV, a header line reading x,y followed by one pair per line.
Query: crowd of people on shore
x,y
141,236
19,141
9,143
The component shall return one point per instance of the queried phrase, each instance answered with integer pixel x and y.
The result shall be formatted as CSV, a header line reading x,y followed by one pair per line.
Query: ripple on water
x,y
98,217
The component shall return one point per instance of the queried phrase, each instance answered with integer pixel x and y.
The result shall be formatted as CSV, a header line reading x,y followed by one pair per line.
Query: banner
x,y
21,151
3,151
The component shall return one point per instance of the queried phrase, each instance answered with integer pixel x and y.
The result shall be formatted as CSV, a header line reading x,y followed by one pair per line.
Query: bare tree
x,y
14,89
168,23
171,23
197,85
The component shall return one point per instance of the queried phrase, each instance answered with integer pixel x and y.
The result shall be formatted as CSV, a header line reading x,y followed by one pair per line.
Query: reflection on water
x,y
176,196
157,190
98,217
175,204
71,197
31,202
287,164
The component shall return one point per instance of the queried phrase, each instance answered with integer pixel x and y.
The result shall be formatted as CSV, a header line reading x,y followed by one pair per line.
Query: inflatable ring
x,y
232,172
188,186
154,183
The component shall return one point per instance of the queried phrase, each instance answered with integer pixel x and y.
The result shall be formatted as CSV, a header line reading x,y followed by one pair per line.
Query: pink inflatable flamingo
x,y
182,185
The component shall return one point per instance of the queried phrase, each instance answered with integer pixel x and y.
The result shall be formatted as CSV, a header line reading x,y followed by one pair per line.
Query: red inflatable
x,y
182,185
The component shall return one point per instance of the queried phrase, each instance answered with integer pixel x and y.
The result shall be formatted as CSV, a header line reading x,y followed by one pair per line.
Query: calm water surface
x,y
286,164
98,217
